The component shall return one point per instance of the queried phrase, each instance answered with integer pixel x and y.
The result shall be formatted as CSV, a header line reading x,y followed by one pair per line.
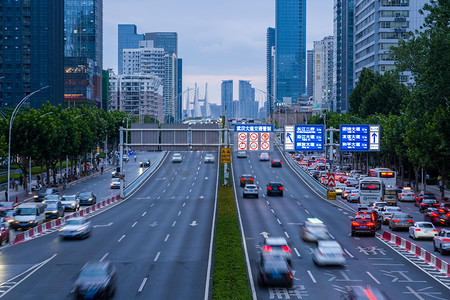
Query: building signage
x,y
309,137
360,137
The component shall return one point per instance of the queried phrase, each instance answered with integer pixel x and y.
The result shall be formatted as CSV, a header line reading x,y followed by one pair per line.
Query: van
x,y
29,215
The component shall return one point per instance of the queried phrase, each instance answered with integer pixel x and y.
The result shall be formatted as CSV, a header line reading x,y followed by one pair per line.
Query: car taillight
x,y
269,188
355,224
423,204
435,230
267,249
251,179
242,179
434,214
417,229
290,275
396,221
370,224
286,249
245,189
410,221
446,240
273,162
280,188
436,204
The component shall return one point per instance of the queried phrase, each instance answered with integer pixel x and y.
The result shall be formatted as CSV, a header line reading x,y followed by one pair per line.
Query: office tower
x,y
378,26
179,111
128,38
270,71
343,53
227,98
31,52
248,107
105,90
290,50
144,60
166,40
171,107
323,73
310,73
83,37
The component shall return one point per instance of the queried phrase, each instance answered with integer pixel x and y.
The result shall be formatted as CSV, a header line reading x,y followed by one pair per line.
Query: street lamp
x,y
13,115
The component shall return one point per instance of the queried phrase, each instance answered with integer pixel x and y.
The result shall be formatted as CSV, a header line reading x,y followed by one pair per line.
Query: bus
x,y
388,176
370,190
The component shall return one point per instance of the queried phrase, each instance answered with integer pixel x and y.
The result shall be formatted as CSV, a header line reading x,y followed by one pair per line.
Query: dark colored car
x,y
145,164
362,224
373,214
96,280
246,178
424,195
274,271
400,221
53,210
275,188
366,293
44,192
276,163
428,203
437,216
87,198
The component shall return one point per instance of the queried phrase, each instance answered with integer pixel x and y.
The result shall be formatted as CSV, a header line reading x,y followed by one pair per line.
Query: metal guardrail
x,y
135,184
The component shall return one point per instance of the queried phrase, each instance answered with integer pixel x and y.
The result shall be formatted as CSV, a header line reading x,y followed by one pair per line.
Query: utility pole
x,y
226,174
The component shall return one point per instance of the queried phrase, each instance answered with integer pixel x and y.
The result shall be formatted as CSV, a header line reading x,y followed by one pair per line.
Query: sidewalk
x,y
437,191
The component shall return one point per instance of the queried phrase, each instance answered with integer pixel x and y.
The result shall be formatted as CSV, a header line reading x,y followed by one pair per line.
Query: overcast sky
x,y
217,40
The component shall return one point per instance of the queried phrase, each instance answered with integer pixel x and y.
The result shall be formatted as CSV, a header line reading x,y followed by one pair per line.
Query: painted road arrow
x,y
194,223
265,234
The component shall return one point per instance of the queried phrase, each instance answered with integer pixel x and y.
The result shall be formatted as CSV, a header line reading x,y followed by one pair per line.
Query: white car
x,y
76,228
70,202
441,241
209,158
353,196
387,212
339,188
328,253
313,230
115,183
177,158
406,195
242,154
264,156
422,230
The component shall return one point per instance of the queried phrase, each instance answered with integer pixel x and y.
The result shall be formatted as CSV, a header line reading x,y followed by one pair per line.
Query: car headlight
x,y
31,221
35,196
16,222
82,228
54,212
90,199
62,229
72,204
10,221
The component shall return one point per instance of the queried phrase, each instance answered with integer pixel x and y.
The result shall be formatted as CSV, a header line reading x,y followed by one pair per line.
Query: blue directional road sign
x,y
360,137
253,128
309,137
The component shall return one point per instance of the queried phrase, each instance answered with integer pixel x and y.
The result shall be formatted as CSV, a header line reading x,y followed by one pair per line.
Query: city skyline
x,y
217,42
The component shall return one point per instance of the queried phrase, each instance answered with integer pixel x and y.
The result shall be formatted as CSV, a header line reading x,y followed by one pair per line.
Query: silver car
x,y
441,241
78,227
328,253
250,190
264,156
177,158
242,154
209,158
70,202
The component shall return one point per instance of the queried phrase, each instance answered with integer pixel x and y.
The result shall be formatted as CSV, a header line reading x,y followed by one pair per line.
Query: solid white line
x,y
287,235
167,237
279,222
272,210
173,224
104,256
331,236
296,251
142,285
157,256
374,279
179,213
312,277
121,238
144,213
307,212
349,254
134,224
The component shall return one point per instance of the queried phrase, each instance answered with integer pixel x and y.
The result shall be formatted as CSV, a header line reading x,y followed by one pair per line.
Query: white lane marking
x,y
142,285
164,191
190,190
307,212
167,237
187,197
299,203
104,256
173,178
272,210
349,254
123,236
144,213
267,202
152,205
198,168
388,264
168,184
312,277
287,235
331,236
134,224
179,213
195,178
193,183
381,258
279,222
414,293
350,217
159,197
296,251
157,256
173,224
373,277
345,213
184,204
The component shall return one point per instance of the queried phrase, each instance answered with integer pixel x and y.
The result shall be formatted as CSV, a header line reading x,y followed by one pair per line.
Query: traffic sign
x,y
242,137
289,137
225,155
253,128
253,137
309,137
374,136
330,180
360,137
265,146
265,137
253,145
242,145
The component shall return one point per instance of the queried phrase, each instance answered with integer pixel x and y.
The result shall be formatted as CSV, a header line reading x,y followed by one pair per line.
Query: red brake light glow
x,y
446,240
286,249
280,188
267,249
435,229
396,221
434,214
355,224
269,188
417,229
370,224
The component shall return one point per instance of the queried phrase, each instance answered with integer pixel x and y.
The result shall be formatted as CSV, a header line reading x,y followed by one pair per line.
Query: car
x,y
115,183
96,280
43,193
352,182
209,158
313,230
28,215
70,202
346,191
264,156
276,163
4,231
53,197
339,188
406,195
365,222
422,230
8,215
242,154
250,190
277,246
400,221
378,206
364,293
275,188
273,270
373,214
388,211
8,205
116,173
428,203
423,195
144,164
328,253
177,158
246,178
437,216
441,241
53,210
78,227
353,196
87,198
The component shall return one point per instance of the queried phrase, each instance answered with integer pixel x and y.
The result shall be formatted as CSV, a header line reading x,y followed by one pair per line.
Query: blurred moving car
x,y
346,191
364,293
70,202
250,190
96,280
423,195
78,227
4,231
353,196
246,178
209,158
8,215
422,230
276,163
406,195
277,246
387,212
242,154
378,206
400,221
28,215
339,188
372,214
428,203
43,193
437,216
144,164
87,198
441,241
313,230
115,183
177,158
53,210
275,188
273,270
264,156
328,253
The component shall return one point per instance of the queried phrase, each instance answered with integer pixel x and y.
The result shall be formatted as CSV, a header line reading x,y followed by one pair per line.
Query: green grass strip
x,y
230,280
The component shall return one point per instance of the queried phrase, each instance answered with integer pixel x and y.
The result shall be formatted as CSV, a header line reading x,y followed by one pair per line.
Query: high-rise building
x,y
166,40
270,71
379,24
128,38
83,37
144,60
179,112
105,90
290,50
248,107
172,108
31,52
343,53
227,98
323,73
310,73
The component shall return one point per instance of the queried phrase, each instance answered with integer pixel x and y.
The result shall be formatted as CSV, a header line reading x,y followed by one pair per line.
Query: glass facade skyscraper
x,y
227,98
270,47
290,49
166,40
128,38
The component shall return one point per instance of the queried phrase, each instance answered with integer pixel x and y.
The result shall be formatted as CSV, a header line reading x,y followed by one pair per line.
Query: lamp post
x,y
13,115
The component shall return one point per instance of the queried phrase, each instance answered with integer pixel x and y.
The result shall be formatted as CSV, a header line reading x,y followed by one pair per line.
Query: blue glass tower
x,y
290,48
166,40
227,98
270,45
128,38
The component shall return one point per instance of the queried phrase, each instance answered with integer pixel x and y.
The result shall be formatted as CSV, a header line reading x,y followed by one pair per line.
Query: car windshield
x,y
51,206
45,191
68,198
402,216
426,225
28,211
250,186
74,222
52,197
393,209
2,204
86,194
93,272
177,154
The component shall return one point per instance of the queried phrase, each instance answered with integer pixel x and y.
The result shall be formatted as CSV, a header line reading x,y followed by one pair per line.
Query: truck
x,y
390,196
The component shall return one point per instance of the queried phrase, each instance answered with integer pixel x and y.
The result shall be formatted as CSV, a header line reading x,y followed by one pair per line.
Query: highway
x,y
158,240
370,262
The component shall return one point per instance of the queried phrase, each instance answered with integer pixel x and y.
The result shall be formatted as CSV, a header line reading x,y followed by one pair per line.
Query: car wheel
x,y
434,247
353,233
373,234
441,250
243,195
257,196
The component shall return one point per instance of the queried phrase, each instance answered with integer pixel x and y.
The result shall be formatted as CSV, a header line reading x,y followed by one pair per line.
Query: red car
x,y
424,195
4,231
